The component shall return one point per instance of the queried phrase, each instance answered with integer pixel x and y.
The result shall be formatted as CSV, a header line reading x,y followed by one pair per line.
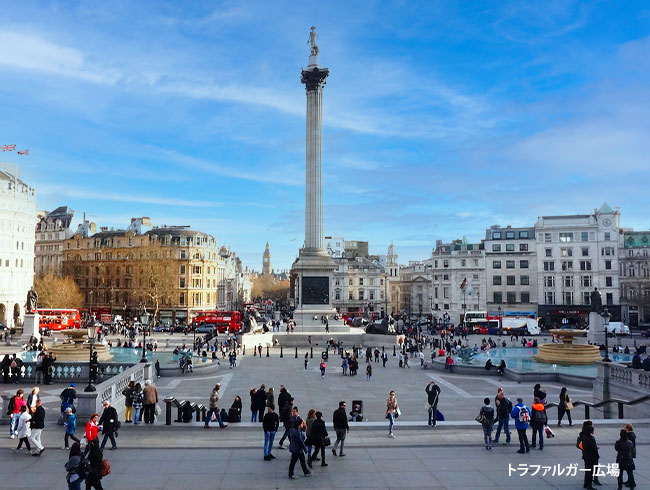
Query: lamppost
x,y
606,316
92,333
144,320
500,320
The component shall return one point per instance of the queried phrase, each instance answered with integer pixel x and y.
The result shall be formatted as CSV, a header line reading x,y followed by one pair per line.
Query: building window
x,y
608,281
510,247
523,234
585,281
496,264
181,282
567,297
566,252
510,234
512,297
586,298
445,277
446,306
372,294
498,297
608,264
463,263
496,280
567,265
549,281
607,236
549,297
607,251
337,294
350,283
496,235
568,281
361,281
565,237
548,238
549,252
585,265
510,281
445,263
445,292
610,298
584,236
549,266
510,264
496,248
523,247
350,295
435,292
181,299
524,280
585,251
523,264
525,297
183,254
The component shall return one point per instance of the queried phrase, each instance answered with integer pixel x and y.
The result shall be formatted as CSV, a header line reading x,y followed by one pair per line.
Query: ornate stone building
x,y
17,226
51,231
108,265
634,267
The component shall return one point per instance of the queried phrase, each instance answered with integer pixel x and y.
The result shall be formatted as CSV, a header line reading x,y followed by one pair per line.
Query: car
x,y
206,328
179,328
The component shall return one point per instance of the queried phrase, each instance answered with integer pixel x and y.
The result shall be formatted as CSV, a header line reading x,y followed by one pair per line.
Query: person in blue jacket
x,y
521,414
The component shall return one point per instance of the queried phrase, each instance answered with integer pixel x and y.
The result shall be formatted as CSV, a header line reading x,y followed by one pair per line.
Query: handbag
x,y
326,441
213,417
481,418
158,410
549,432
569,405
398,412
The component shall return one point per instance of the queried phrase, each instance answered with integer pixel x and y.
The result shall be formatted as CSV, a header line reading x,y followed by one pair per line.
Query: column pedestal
x,y
31,326
596,333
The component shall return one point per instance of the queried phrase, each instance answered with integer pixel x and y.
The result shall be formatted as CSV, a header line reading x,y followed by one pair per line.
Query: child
x,y
487,413
70,424
368,371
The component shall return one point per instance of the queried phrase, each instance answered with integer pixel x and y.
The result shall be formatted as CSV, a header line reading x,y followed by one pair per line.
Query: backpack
x,y
105,469
524,415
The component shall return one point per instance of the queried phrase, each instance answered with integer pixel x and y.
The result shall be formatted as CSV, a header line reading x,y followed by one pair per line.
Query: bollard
x,y
267,351
244,350
168,412
296,352
281,355
311,355
394,354
586,412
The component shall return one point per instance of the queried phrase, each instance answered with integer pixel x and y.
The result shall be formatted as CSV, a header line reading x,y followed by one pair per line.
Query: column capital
x,y
314,78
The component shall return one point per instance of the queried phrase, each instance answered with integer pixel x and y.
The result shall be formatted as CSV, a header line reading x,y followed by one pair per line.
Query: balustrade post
x,y
586,412
620,410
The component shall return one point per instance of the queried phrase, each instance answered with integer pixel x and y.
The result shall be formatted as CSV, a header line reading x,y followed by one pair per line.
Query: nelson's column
x,y
314,267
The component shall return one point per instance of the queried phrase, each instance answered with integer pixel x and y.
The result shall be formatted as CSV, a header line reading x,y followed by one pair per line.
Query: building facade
x,y
634,269
576,254
17,228
108,267
52,230
358,286
511,271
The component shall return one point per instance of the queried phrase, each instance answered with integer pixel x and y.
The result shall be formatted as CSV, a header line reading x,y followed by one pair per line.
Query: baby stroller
x,y
356,415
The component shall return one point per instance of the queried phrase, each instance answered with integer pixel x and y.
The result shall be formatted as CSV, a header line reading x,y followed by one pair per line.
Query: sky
x,y
440,118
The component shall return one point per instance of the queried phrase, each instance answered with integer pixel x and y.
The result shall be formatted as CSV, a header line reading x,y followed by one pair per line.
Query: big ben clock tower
x,y
266,261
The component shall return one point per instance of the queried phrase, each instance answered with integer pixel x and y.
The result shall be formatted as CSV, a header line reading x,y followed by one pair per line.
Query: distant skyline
x,y
440,118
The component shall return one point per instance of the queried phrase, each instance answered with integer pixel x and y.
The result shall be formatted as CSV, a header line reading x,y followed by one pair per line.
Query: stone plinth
x,y
596,333
31,326
566,352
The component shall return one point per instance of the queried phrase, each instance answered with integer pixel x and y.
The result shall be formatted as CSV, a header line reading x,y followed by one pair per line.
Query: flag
x,y
8,147
24,152
463,284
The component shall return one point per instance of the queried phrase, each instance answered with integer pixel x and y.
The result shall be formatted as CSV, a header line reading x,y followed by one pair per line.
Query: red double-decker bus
x,y
225,321
50,319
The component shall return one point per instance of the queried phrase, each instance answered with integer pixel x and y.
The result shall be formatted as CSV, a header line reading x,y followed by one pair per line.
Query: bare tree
x,y
58,292
266,287
156,278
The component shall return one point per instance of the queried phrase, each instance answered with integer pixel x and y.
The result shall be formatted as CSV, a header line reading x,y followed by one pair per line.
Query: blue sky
x,y
441,118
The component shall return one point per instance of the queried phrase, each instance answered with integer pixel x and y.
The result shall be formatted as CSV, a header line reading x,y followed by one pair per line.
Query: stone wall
x,y
616,380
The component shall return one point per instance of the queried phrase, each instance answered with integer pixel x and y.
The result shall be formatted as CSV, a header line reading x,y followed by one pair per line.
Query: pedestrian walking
x,y
589,453
109,423
368,371
306,359
392,412
260,396
521,414
503,409
341,427
270,425
565,406
270,398
23,429
323,366
433,395
138,401
486,418
70,423
37,426
539,393
213,414
254,410
297,445
128,402
75,468
538,419
150,399
320,439
68,396
344,365
92,430
95,460
311,417
625,454
32,399
16,403
157,368
384,358
285,418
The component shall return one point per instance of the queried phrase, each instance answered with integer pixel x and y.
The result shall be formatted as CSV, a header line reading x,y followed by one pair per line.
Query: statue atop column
x,y
313,36
32,300
596,301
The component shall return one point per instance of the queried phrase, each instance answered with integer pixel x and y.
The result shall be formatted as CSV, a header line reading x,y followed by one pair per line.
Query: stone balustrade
x,y
615,380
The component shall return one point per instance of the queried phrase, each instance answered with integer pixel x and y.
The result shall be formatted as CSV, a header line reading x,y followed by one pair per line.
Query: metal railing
x,y
589,405
170,402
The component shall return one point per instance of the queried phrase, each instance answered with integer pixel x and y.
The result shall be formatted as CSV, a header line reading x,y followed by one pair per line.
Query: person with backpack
x,y
138,401
96,466
538,419
16,402
521,414
70,423
76,467
625,454
486,418
504,407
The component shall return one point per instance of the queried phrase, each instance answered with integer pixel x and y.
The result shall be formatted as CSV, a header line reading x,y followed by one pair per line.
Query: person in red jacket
x,y
92,428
